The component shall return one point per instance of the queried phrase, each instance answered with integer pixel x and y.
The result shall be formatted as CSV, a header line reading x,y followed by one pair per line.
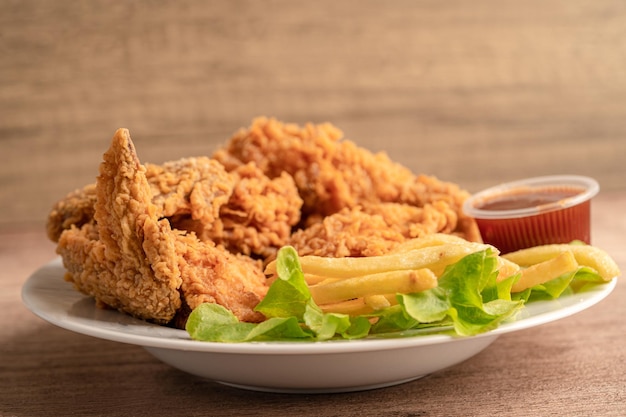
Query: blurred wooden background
x,y
475,92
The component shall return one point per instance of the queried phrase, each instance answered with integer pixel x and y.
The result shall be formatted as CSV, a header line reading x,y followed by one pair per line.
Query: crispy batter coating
x,y
245,211
75,209
197,187
333,174
214,275
350,232
260,213
132,261
156,241
129,260
192,187
373,229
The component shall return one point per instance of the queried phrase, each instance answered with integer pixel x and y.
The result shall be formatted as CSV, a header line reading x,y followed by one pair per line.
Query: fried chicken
x,y
156,241
350,232
131,260
244,210
372,229
126,258
194,187
260,214
75,209
191,187
333,174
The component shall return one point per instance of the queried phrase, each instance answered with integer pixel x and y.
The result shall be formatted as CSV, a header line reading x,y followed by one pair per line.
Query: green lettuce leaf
x,y
214,323
468,297
289,294
467,301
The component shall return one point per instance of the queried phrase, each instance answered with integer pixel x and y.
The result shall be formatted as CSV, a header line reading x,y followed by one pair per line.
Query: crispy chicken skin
x,y
190,187
126,259
244,210
260,214
333,174
75,209
372,229
194,187
131,260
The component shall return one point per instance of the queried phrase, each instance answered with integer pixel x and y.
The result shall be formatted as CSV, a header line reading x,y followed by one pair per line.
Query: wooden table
x,y
472,92
573,367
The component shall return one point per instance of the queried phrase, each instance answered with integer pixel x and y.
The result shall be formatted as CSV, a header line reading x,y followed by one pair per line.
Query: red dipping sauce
x,y
536,211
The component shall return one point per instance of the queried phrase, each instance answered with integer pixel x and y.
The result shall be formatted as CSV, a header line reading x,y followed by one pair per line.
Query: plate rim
x,y
32,295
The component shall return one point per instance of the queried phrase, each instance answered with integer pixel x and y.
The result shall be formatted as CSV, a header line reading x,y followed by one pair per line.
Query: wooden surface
x,y
473,92
470,91
573,367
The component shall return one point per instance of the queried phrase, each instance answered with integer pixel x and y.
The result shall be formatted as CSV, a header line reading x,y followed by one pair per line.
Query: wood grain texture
x,y
472,92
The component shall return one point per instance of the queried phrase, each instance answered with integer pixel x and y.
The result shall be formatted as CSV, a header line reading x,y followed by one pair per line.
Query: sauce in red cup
x,y
535,211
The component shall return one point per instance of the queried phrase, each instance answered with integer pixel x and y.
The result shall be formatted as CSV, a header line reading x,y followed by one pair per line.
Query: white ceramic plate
x,y
307,367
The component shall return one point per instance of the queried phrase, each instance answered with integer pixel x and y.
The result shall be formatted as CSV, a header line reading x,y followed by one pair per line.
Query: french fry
x,y
402,281
545,271
358,306
353,307
585,255
378,301
435,258
317,279
312,279
506,268
435,239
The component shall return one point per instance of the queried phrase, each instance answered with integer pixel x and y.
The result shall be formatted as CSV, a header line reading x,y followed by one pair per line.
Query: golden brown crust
x,y
213,275
260,214
75,209
132,264
333,174
245,211
156,241
197,187
372,229
347,233
131,260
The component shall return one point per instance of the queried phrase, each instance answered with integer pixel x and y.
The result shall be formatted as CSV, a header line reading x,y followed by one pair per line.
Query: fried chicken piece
x,y
245,211
191,187
413,221
75,209
197,187
214,275
132,261
350,232
333,174
330,174
127,259
373,229
260,213
425,189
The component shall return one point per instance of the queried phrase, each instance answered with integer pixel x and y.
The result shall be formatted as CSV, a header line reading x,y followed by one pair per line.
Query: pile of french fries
x,y
363,285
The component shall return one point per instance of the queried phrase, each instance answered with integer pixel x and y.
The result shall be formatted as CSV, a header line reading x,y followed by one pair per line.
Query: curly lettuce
x,y
468,300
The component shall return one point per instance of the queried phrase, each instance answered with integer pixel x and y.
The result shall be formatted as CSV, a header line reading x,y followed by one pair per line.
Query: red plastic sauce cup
x,y
534,211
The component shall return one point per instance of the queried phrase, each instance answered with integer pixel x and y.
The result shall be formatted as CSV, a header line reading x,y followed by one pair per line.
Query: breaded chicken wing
x,y
133,261
126,259
192,187
244,210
